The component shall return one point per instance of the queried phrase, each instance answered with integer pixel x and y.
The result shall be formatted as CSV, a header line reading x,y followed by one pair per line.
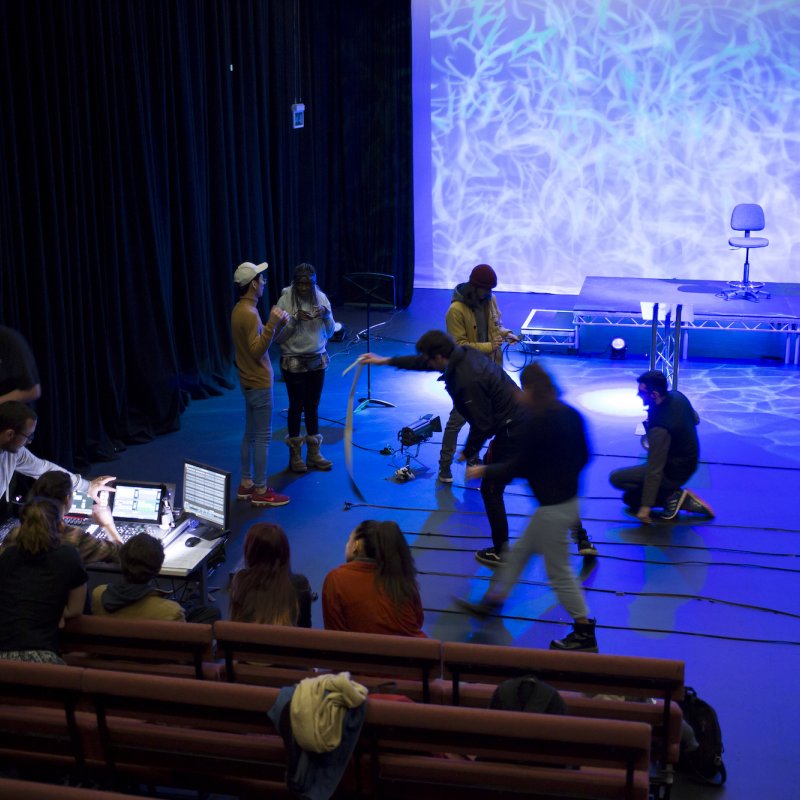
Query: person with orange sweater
x,y
375,590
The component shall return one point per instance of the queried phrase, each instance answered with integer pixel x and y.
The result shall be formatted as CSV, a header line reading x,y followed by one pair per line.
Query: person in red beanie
x,y
473,320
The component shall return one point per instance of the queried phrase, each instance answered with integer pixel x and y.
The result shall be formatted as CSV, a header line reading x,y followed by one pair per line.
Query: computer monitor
x,y
138,501
206,493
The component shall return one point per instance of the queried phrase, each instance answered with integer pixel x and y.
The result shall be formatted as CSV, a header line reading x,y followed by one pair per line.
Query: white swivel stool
x,y
746,217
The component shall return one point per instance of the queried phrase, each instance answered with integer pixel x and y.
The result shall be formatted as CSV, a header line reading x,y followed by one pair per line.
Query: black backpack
x,y
703,762
527,693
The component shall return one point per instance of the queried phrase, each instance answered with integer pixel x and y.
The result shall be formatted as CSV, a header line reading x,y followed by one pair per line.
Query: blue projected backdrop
x,y
572,138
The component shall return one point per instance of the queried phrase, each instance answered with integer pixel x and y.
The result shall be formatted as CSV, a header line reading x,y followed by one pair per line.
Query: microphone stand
x,y
367,293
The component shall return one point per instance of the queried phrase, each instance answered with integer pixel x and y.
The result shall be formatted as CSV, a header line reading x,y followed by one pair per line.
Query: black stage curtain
x,y
148,149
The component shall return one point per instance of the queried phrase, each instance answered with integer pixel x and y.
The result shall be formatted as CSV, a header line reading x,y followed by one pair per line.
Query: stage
x,y
719,594
617,303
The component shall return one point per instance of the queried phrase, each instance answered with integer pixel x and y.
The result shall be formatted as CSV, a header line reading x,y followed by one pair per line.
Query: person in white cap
x,y
251,339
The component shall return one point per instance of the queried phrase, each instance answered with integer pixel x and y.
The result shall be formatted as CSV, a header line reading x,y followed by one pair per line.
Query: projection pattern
x,y
574,138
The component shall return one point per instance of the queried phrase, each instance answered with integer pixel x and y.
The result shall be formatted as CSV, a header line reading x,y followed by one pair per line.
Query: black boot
x,y
581,640
582,540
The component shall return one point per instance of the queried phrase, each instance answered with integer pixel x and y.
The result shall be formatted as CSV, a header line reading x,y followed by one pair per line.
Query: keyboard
x,y
7,527
128,529
77,522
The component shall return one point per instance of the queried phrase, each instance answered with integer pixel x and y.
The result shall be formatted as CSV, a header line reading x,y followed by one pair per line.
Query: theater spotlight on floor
x,y
414,435
419,431
618,348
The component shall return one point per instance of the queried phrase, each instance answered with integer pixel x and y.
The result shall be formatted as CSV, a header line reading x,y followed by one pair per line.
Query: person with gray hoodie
x,y
304,360
137,595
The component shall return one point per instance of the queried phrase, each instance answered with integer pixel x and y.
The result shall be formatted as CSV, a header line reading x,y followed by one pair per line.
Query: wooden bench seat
x,y
39,716
651,713
274,655
11,789
425,670
445,752
215,736
475,670
157,647
169,732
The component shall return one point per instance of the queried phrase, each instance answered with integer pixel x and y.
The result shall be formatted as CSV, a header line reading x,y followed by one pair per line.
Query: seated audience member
x,y
137,596
42,583
266,590
56,485
376,591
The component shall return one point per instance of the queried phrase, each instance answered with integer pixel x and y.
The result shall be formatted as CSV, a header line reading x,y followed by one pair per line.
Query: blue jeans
x,y
257,434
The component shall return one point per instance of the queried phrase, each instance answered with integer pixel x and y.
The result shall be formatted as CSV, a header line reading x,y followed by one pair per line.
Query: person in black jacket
x,y
554,453
488,400
672,455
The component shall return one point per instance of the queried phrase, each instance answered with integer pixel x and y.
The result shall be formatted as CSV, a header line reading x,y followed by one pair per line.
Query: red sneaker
x,y
245,492
268,497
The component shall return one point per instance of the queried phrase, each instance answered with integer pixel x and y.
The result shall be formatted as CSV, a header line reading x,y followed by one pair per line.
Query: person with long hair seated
x,y
376,590
57,486
42,584
266,590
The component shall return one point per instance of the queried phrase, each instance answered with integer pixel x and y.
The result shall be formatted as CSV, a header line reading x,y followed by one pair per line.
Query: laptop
x,y
206,501
137,508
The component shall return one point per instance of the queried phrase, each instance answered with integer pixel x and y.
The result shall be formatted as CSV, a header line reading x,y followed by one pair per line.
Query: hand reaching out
x,y
477,471
101,485
278,316
374,359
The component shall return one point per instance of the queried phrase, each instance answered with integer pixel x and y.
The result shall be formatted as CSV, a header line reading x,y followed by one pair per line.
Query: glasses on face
x,y
27,438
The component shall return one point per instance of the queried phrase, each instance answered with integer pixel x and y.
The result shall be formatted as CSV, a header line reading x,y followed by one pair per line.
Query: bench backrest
x,y
38,704
585,672
479,753
11,789
217,737
591,673
177,649
276,655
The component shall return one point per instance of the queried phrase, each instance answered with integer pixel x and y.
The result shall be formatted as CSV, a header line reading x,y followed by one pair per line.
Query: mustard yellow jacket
x,y
461,325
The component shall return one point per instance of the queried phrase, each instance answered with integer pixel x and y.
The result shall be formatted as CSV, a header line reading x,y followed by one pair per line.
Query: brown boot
x,y
296,463
314,458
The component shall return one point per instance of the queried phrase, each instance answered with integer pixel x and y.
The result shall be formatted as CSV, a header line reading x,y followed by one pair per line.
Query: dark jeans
x,y
631,480
304,390
501,448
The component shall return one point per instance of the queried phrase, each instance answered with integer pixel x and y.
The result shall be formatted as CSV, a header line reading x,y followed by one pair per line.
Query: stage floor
x,y
722,595
623,296
618,303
